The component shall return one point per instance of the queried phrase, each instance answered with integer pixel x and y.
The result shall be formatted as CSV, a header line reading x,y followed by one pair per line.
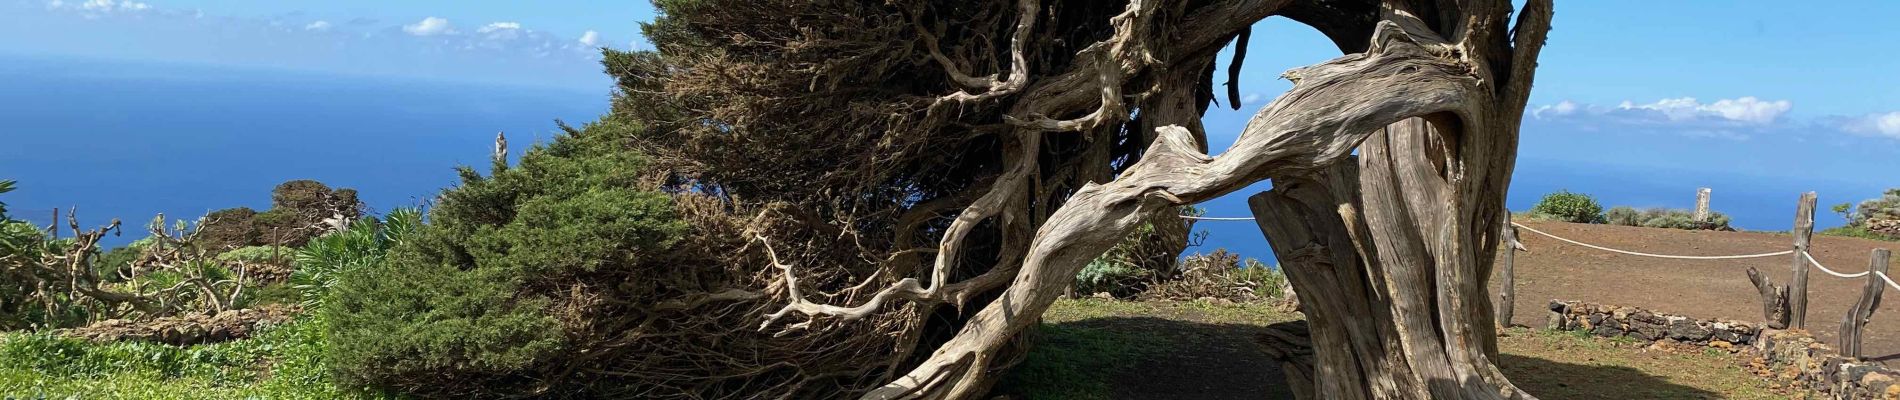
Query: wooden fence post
x,y
1798,288
1507,293
1702,205
1863,311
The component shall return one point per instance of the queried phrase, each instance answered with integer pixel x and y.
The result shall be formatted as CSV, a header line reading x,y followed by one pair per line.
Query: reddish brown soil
x,y
1698,288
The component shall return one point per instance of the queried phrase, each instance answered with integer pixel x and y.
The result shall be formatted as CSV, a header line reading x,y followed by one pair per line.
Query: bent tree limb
x,y
1332,108
1389,251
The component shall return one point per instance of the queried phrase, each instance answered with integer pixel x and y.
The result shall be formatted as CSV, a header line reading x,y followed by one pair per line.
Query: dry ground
x,y
1696,288
1097,349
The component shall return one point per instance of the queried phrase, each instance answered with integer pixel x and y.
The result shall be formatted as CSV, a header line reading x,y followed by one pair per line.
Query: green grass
x,y
1074,357
1857,232
282,362
1578,365
1081,349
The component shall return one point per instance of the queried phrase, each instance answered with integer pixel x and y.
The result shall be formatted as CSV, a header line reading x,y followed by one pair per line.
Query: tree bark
x,y
1389,252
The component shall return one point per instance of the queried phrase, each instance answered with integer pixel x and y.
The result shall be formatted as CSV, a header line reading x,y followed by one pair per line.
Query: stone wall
x,y
1795,358
1889,227
1612,321
186,329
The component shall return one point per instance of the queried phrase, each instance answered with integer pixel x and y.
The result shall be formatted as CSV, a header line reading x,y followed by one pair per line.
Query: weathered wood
x,y
1507,290
1854,324
1332,108
1702,205
1798,288
1774,300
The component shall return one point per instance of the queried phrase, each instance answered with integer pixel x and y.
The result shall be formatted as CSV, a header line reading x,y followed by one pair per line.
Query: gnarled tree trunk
x,y
1389,251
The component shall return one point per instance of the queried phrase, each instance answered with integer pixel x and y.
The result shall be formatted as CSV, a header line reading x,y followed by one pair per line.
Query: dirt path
x,y
1706,289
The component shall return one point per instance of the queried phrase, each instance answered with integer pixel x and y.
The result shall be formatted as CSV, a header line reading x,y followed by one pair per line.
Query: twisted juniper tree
x,y
930,174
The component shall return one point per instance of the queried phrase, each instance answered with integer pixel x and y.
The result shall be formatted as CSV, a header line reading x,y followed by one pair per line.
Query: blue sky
x,y
1637,101
540,43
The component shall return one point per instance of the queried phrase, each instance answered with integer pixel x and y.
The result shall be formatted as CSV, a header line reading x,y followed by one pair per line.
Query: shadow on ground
x,y
1554,380
1142,357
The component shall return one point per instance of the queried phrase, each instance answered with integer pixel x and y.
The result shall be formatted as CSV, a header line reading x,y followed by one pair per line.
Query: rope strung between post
x,y
1882,275
1817,263
1810,257
1633,253
1778,253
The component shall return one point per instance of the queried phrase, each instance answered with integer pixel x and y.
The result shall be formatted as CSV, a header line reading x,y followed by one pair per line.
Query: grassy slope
x,y
283,362
1086,344
1086,349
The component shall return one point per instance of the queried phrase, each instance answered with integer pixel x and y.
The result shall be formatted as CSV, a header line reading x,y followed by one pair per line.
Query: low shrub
x,y
1149,254
1666,218
1858,232
1223,275
259,254
500,294
1567,206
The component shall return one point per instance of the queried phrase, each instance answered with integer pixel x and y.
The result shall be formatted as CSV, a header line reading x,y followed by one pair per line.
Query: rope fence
x,y
1633,253
1817,263
1783,306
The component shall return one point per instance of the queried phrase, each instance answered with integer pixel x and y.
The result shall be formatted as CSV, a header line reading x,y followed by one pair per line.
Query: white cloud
x,y
1251,97
110,6
95,7
1887,124
430,26
590,39
317,26
1745,109
500,26
1562,108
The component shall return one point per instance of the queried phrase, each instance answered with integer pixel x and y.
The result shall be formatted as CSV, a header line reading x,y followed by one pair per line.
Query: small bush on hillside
x,y
1148,254
259,254
1666,218
298,212
1566,206
230,228
1877,219
1221,275
1887,207
498,294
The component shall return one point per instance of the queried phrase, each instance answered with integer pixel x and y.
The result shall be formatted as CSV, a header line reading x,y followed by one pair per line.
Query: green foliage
x,y
1856,231
281,362
1666,218
298,209
1267,282
1106,276
465,304
116,263
1846,210
1568,207
258,254
22,304
5,186
364,244
1148,254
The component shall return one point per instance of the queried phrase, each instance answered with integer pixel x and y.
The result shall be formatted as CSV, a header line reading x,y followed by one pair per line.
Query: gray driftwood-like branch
x,y
1388,251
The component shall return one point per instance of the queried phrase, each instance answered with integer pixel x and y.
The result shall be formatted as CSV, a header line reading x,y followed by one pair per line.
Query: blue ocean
x,y
131,140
